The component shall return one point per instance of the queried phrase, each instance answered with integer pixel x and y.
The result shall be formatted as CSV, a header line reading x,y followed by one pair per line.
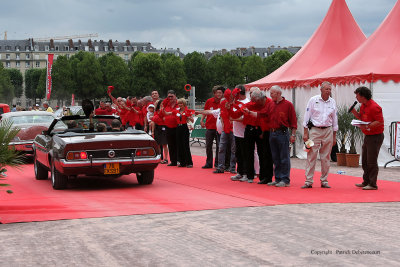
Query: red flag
x,y
50,58
73,100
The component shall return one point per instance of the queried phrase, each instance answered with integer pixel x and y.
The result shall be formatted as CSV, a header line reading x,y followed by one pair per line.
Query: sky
x,y
191,25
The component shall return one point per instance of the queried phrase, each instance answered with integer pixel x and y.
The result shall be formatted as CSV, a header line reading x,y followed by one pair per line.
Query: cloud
x,y
190,25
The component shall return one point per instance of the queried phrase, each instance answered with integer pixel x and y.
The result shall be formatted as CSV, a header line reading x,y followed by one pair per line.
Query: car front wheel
x,y
145,177
58,180
41,173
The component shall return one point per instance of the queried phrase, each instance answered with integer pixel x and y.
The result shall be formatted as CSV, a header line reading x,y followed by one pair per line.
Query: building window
x,y
27,56
8,57
97,55
57,48
46,48
18,64
96,48
86,48
106,48
17,56
134,48
37,64
115,48
8,48
27,64
66,48
126,57
36,48
125,49
27,48
17,48
144,48
8,65
76,48
67,55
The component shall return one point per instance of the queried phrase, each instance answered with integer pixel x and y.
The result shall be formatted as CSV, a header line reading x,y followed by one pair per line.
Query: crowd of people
x,y
252,132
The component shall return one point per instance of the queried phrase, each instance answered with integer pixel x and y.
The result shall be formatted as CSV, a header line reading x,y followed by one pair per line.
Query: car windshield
x,y
32,119
82,124
71,110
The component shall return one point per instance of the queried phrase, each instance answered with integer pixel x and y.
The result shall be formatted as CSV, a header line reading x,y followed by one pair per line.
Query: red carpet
x,y
174,189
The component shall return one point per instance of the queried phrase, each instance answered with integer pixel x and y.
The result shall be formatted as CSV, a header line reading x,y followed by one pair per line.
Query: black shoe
x,y
307,186
325,185
189,166
206,167
172,164
361,185
218,171
181,165
263,181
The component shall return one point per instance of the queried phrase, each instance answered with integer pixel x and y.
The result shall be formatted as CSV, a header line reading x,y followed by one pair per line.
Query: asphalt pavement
x,y
355,234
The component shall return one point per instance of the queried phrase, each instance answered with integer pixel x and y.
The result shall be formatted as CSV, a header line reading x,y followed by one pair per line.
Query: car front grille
x,y
104,154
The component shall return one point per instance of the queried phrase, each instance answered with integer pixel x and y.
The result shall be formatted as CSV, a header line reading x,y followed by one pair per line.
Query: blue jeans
x,y
280,150
225,140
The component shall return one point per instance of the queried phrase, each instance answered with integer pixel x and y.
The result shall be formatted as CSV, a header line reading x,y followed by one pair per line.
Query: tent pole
x,y
294,104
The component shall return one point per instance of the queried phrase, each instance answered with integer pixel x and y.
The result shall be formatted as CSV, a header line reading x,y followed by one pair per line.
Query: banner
x,y
73,100
48,76
397,142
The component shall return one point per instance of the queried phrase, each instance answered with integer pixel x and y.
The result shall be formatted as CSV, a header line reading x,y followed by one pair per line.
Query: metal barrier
x,y
391,149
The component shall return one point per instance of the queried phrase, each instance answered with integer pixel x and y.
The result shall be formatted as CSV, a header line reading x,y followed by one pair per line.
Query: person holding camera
x,y
320,125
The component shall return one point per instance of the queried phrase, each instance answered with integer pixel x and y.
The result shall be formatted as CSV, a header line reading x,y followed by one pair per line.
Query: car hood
x,y
30,132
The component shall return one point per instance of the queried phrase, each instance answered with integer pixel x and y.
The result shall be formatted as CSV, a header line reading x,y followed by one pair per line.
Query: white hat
x,y
37,105
308,145
150,106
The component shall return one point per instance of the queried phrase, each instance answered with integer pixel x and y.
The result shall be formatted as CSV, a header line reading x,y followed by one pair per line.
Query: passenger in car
x,y
101,127
115,125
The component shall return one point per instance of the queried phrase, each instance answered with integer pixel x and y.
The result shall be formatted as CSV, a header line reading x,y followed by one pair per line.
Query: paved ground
x,y
363,234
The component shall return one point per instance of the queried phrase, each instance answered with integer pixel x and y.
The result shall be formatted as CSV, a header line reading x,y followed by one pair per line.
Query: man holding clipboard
x,y
371,113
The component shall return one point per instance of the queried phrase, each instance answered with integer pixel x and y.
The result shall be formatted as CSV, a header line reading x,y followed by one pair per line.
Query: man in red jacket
x,y
370,112
210,124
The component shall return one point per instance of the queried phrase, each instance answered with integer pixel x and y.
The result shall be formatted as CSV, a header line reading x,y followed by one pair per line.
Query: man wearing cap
x,y
35,107
320,125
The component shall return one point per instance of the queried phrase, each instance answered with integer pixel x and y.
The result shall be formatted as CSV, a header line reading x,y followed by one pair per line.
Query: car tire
x,y
58,180
41,173
145,177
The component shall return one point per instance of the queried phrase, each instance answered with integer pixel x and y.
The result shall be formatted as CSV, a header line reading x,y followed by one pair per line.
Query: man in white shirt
x,y
320,125
238,132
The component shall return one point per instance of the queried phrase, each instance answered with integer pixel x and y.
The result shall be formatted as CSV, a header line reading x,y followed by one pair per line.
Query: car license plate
x,y
111,168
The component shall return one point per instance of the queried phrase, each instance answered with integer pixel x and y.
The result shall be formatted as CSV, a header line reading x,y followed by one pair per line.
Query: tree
x,y
32,77
116,72
6,87
197,74
276,60
253,68
147,74
88,76
62,79
226,70
16,79
41,87
174,75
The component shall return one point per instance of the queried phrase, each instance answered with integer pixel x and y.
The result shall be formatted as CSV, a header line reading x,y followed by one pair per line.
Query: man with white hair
x,y
282,121
320,125
47,107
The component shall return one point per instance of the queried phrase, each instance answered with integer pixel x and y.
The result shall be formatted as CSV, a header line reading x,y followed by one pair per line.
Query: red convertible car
x,y
76,145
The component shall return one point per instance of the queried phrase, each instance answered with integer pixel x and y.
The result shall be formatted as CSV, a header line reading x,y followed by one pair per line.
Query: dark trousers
x,y
252,138
267,168
369,158
182,140
240,155
172,147
210,136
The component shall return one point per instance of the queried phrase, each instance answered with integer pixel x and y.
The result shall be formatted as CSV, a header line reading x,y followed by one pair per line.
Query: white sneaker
x,y
236,177
244,178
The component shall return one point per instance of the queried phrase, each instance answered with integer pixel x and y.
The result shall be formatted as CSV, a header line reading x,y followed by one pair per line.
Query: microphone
x,y
352,106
